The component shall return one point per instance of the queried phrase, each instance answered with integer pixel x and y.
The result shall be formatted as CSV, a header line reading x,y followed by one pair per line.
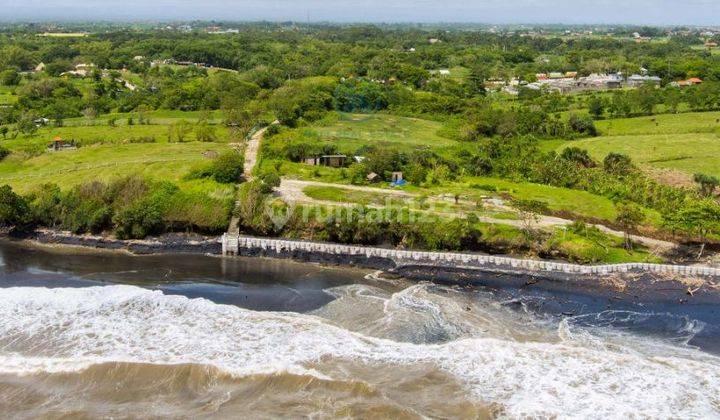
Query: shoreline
x,y
630,285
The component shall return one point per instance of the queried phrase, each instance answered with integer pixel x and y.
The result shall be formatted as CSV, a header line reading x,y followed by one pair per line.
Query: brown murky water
x,y
105,336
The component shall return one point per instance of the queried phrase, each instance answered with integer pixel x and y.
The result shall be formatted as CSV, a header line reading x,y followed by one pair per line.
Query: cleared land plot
x,y
690,122
99,134
581,203
158,117
688,153
367,198
353,131
106,162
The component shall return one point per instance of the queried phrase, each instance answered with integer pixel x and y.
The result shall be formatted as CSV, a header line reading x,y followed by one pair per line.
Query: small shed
x,y
59,144
397,176
310,161
334,161
372,177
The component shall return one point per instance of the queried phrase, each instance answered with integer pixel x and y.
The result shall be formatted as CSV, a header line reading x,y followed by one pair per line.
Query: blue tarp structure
x,y
399,183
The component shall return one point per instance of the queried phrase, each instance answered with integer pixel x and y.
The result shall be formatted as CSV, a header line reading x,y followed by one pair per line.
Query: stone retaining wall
x,y
237,245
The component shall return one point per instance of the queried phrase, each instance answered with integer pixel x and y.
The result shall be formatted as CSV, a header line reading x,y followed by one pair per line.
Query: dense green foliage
x,y
131,207
226,168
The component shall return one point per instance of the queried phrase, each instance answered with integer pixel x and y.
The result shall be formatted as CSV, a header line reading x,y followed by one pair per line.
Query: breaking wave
x,y
399,350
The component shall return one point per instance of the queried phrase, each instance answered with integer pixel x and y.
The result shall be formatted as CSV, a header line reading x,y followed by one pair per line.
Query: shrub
x,y
270,181
141,139
578,156
10,77
228,167
85,208
618,164
629,216
14,209
582,125
4,152
145,216
707,183
133,206
45,204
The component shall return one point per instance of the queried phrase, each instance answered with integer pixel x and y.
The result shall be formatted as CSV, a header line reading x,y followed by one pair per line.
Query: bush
x,y
4,152
85,208
578,156
133,206
707,183
139,220
582,125
270,181
145,216
10,77
14,209
618,164
228,167
225,169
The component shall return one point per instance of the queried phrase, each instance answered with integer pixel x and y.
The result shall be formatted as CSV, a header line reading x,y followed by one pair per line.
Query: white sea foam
x,y
69,329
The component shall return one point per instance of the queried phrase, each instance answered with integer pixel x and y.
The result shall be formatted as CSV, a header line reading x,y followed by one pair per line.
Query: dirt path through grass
x,y
251,152
291,191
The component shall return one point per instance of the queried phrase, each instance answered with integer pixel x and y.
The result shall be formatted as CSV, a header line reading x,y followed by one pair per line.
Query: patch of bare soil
x,y
671,177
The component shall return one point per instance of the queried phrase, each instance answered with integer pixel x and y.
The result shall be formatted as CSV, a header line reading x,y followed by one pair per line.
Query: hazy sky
x,y
700,12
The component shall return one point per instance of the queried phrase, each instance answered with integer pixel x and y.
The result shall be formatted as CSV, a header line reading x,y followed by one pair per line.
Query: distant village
x,y
569,82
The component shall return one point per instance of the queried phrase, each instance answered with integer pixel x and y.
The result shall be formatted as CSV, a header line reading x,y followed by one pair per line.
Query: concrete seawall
x,y
383,258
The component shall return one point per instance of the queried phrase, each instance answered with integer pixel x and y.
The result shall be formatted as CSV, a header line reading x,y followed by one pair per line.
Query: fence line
x,y
232,244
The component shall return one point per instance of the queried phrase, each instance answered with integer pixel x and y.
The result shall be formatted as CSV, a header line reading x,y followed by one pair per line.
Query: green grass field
x,y
107,153
686,142
104,163
713,51
97,134
159,117
663,124
581,203
688,153
353,131
559,199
